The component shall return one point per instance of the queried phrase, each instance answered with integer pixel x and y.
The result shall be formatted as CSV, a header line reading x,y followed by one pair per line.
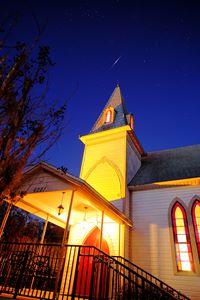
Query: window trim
x,y
175,240
108,110
108,116
196,234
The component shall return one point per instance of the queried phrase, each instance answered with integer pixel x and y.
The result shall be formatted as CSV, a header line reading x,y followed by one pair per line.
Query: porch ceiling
x,y
43,204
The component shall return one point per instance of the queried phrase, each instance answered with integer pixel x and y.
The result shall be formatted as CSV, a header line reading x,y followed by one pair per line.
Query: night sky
x,y
151,48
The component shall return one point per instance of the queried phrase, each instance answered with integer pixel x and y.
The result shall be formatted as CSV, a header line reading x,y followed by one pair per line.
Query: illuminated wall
x,y
104,162
79,231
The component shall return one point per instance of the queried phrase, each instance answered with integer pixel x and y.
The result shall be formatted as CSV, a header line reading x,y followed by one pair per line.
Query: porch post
x,y
68,218
119,239
101,234
3,224
44,230
63,249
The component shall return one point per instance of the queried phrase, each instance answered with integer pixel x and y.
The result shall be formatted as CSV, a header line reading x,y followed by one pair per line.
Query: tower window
x,y
184,258
131,122
109,115
196,223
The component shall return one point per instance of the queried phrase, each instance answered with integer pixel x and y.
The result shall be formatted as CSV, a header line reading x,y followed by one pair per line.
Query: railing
x,y
159,283
29,269
74,272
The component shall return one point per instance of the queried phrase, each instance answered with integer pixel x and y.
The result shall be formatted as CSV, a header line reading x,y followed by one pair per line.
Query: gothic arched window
x,y
108,116
131,122
196,222
184,258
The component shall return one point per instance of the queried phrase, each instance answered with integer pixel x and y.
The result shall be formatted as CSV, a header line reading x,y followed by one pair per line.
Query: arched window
x,y
108,117
196,222
131,122
183,249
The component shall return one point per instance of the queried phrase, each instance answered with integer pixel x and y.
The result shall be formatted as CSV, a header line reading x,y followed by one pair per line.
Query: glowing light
x,y
108,117
181,238
181,235
132,122
84,222
183,247
196,222
186,266
60,207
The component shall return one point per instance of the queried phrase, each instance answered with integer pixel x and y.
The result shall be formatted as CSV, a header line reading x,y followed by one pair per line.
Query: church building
x,y
142,206
158,191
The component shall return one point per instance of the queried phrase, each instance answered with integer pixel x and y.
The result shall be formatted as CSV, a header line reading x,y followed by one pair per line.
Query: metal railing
x,y
29,269
74,272
159,283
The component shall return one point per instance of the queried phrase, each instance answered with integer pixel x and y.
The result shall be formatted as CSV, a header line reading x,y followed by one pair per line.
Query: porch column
x,y
101,233
68,218
44,230
119,239
3,224
63,250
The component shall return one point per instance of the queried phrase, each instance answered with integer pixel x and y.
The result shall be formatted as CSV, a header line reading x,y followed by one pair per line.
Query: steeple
x,y
114,113
112,153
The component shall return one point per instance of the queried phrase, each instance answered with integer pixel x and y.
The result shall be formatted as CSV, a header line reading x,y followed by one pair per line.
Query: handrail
x,y
143,278
153,279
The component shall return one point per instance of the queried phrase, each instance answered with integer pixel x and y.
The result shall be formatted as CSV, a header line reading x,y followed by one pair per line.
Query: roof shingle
x,y
166,165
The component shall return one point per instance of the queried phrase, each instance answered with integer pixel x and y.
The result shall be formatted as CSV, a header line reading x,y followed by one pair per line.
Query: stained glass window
x,y
183,249
196,222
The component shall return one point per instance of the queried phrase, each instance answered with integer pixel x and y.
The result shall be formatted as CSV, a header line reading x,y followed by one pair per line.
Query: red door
x,y
85,281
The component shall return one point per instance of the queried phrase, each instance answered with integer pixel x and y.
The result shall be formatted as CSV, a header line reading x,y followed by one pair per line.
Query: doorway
x,y
91,269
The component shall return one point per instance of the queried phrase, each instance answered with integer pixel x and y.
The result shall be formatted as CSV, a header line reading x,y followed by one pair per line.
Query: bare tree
x,y
29,123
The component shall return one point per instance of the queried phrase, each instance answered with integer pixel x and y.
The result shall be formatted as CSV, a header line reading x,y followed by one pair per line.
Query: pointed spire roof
x,y
117,102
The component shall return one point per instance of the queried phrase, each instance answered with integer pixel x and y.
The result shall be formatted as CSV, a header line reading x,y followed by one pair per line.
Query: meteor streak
x,y
116,61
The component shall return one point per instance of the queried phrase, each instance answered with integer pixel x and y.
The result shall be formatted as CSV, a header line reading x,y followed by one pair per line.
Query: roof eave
x,y
136,142
194,181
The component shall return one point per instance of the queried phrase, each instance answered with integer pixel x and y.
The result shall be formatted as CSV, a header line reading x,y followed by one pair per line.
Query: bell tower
x,y
112,153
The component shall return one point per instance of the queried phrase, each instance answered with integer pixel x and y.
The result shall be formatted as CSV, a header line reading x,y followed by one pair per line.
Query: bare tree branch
x,y
29,125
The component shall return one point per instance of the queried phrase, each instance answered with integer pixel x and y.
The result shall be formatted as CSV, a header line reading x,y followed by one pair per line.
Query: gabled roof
x,y
116,101
167,165
79,183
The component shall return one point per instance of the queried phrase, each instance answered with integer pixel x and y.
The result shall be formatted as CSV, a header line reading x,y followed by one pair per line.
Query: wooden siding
x,y
44,181
152,242
133,160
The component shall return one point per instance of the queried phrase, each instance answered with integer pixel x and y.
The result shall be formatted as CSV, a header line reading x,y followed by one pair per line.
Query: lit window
x,y
196,222
182,240
131,122
108,117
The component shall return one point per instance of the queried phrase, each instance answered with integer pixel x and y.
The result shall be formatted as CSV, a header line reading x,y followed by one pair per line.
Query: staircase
x,y
75,272
165,291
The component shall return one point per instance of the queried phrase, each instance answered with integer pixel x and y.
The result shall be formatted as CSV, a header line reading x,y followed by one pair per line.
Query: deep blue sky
x,y
159,68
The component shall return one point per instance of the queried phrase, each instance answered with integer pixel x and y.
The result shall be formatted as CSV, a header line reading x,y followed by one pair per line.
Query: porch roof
x,y
43,203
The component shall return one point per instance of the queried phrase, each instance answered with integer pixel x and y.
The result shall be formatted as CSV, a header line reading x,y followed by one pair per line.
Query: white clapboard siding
x,y
44,182
151,244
